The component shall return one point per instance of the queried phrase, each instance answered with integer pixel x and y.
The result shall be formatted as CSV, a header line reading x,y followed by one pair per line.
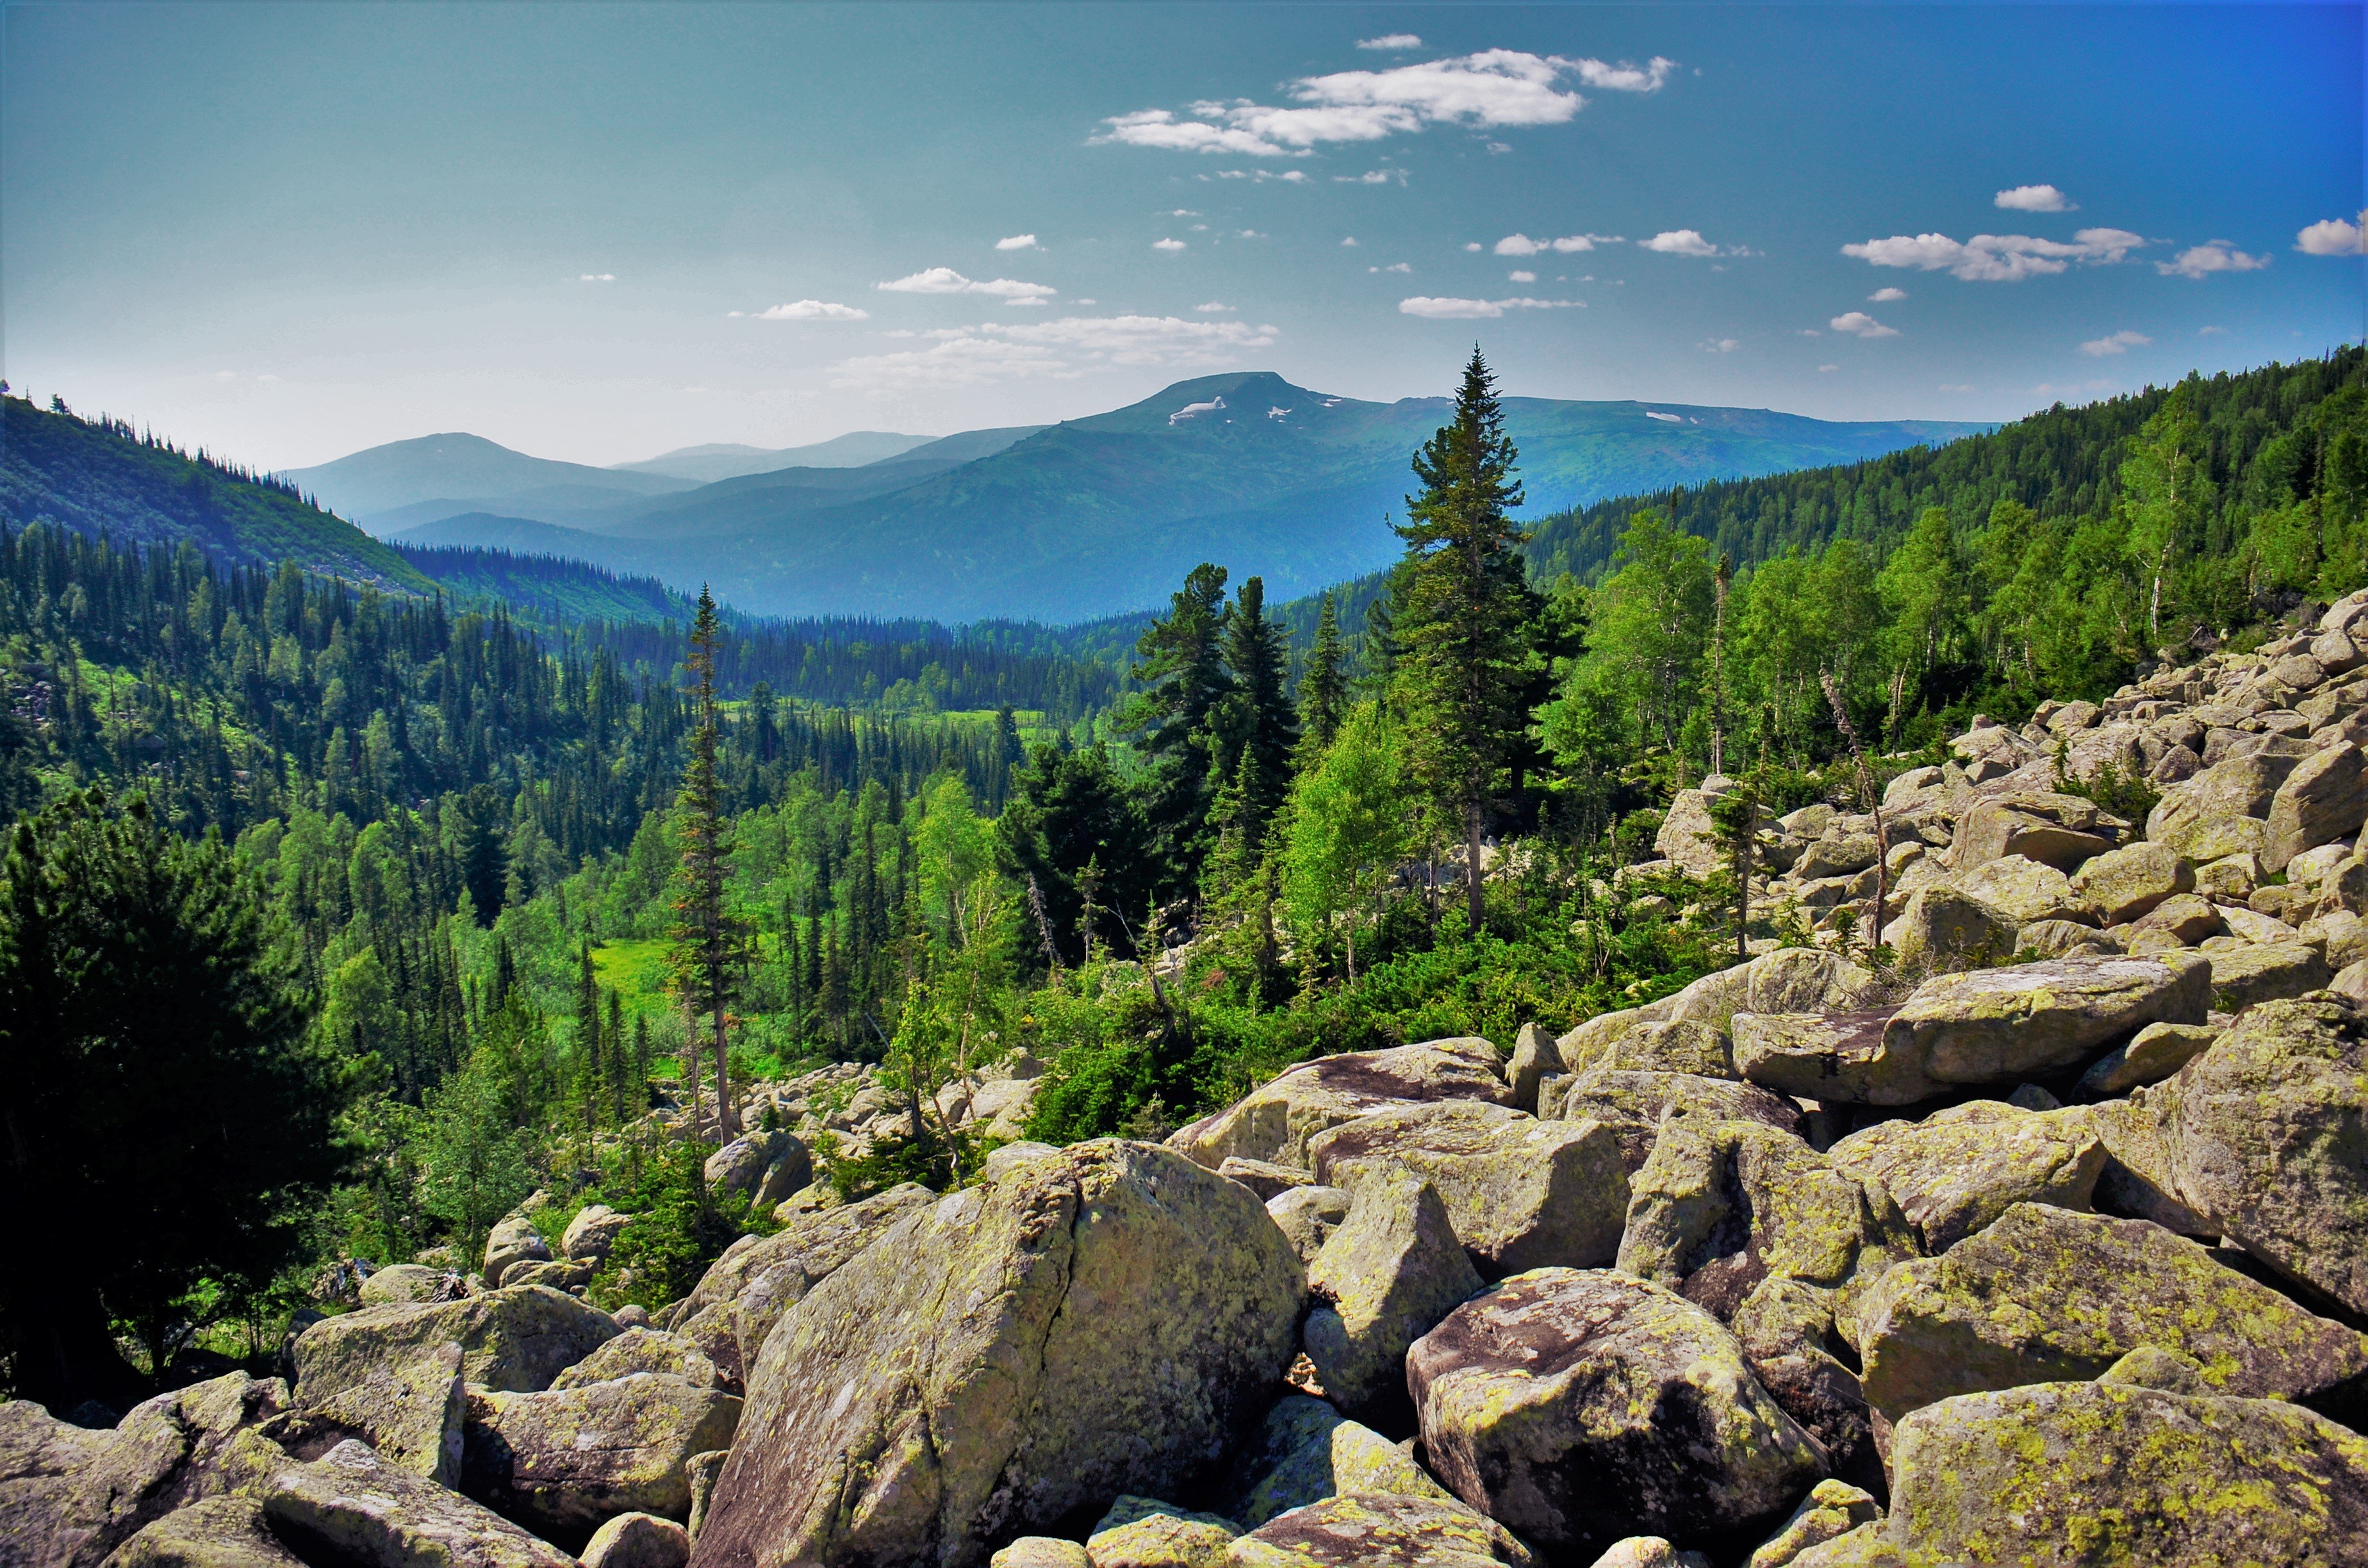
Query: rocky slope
x,y
2047,1245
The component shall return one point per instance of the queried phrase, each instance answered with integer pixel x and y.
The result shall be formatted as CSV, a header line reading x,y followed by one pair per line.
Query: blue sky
x,y
597,233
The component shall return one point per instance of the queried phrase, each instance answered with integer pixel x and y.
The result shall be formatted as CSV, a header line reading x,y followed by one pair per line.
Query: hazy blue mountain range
x,y
1089,517
727,459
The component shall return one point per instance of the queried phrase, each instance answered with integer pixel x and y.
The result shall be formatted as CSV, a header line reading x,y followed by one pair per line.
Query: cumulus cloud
x,y
2202,261
1473,246
2120,342
1886,296
1391,40
1062,349
1680,241
1998,258
1494,87
813,310
1350,240
1521,245
1168,244
1861,324
1212,308
1521,277
946,280
2035,199
1435,309
2335,236
1018,242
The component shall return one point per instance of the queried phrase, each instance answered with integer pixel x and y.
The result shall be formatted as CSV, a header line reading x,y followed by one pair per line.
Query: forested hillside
x,y
504,852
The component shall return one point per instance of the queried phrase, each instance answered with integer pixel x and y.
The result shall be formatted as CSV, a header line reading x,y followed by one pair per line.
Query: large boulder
x,y
351,1507
591,1234
1144,1532
1997,1025
642,1350
513,1243
1797,1348
2055,830
2255,972
2097,1472
2024,890
740,1167
1789,980
1832,1508
2154,1054
1959,1169
1093,1324
2219,812
1363,1531
2124,883
2266,1136
1521,1193
1632,1105
1721,1205
1942,926
401,1284
216,1532
1275,1120
1671,1045
1846,1057
1689,835
2324,798
1387,1276
516,1340
1307,1216
563,1461
2046,1295
1535,1058
638,1540
1579,1407
409,1407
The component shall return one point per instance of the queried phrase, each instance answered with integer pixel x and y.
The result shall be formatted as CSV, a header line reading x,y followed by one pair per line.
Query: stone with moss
x,y
1941,926
641,1351
1307,1216
1797,1350
1144,1532
2047,1295
1831,1508
214,1532
1285,1463
1377,1531
412,1410
513,1243
2124,883
1844,1057
1648,1551
1276,1121
2003,1025
401,1283
2221,811
350,1506
2267,1138
1578,1407
2025,889
2246,976
1098,1324
2154,1054
1391,1271
515,1340
1520,1193
638,1540
1632,1105
1959,1169
562,1461
1042,1551
2059,1474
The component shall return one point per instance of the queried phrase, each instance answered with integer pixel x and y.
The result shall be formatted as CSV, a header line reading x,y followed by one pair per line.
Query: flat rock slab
x,y
1520,1193
2265,1135
1848,1057
1632,1104
2045,1295
412,1411
564,1462
641,1351
516,1340
1275,1121
2105,1473
1578,1407
353,1507
214,1532
1099,1322
2266,972
1957,1170
1375,1530
2003,1024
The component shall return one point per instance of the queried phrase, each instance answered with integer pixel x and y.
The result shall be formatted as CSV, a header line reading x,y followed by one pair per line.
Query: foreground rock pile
x,y
2048,1247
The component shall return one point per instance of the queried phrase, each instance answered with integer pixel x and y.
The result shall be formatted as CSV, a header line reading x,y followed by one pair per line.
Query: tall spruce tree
x,y
708,940
1257,658
1465,618
1323,685
1181,664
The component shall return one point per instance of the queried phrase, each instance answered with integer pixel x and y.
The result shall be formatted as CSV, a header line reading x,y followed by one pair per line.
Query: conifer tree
x,y
590,1091
1463,619
1181,664
1324,687
708,940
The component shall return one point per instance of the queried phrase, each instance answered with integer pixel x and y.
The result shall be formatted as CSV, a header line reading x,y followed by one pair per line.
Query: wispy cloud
x,y
1212,308
1998,258
1828,370
1859,323
2035,199
1289,176
2118,343
946,280
1886,296
1391,40
2211,332
2202,261
1722,345
1018,242
1438,309
1521,245
595,277
1372,177
2335,236
1070,347
1497,87
813,310
1394,266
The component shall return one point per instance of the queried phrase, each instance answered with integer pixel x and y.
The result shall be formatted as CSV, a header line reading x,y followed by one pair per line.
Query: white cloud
x,y
1034,300
1018,242
1251,234
1501,147
1433,308
1391,40
1372,177
1722,345
1397,266
1061,349
946,280
1212,308
1296,176
1523,277
2336,236
2211,332
1828,370
2202,261
1886,296
1473,246
2035,199
1350,240
1998,258
1680,241
1184,212
1862,325
2120,342
813,310
1168,244
595,277
1521,245
1494,87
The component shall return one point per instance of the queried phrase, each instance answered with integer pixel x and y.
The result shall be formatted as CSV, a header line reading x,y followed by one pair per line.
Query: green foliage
x,y
1351,821
679,1229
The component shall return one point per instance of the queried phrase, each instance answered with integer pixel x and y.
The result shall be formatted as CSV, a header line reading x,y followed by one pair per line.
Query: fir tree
x,y
1324,686
1181,664
708,940
1463,618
